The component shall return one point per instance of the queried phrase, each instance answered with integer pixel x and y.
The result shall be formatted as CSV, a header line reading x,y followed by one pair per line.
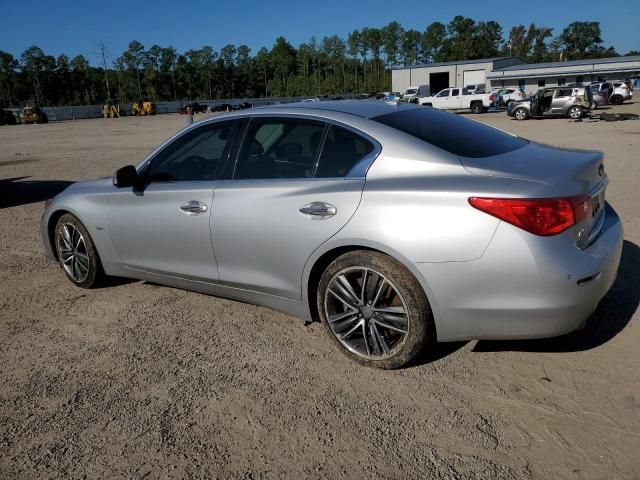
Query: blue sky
x,y
70,27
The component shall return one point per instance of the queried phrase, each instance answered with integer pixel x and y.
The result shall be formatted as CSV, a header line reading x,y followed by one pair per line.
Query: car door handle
x,y
318,210
193,207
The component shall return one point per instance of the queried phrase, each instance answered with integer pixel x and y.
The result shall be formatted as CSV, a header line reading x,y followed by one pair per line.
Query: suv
x,y
572,102
506,95
621,92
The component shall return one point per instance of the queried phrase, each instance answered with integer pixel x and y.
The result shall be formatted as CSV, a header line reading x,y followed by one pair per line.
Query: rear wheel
x,y
521,114
575,112
77,253
616,99
476,107
374,309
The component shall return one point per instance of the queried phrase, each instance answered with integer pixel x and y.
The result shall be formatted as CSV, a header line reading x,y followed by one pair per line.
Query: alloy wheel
x,y
520,114
366,313
575,112
72,250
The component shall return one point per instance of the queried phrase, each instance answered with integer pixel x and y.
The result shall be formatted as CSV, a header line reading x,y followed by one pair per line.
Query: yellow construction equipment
x,y
33,115
143,107
111,109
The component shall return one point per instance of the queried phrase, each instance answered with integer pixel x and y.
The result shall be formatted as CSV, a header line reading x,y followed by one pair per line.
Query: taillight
x,y
492,98
540,216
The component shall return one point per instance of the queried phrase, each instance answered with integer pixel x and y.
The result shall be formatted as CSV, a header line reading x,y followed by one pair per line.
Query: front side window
x,y
194,156
443,93
279,148
341,151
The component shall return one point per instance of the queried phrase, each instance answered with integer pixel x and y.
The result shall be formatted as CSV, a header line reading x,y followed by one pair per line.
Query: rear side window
x,y
341,151
452,133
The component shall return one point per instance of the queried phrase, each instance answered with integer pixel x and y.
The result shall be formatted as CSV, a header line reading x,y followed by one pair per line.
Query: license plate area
x,y
597,204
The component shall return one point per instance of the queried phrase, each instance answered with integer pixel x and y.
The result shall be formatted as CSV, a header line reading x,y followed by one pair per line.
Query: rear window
x,y
452,133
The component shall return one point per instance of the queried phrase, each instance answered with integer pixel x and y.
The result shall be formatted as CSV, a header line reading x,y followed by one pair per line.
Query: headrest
x,y
255,148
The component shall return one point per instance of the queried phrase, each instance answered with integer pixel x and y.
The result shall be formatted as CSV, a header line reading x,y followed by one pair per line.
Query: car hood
x,y
84,184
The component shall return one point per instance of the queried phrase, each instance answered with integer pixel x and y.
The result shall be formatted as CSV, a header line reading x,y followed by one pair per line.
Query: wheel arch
x,y
326,254
51,229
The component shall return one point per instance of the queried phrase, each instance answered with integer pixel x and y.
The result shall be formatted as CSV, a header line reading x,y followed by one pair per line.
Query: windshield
x,y
411,91
453,133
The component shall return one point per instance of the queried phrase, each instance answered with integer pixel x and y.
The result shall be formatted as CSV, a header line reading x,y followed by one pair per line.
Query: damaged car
x,y
572,102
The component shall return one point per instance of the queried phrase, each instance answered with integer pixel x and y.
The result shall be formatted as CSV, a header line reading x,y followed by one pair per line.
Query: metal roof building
x,y
448,74
532,76
513,72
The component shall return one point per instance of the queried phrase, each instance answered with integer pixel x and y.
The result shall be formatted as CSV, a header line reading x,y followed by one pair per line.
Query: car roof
x,y
361,108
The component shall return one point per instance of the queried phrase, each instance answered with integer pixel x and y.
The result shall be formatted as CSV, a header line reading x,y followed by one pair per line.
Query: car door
x,y
163,226
561,101
455,100
296,182
441,100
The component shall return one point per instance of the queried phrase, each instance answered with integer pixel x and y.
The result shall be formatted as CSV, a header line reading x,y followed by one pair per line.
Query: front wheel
x,y
76,252
374,309
521,114
575,113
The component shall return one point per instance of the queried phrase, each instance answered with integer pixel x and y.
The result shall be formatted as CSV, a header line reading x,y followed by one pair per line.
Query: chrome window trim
x,y
358,171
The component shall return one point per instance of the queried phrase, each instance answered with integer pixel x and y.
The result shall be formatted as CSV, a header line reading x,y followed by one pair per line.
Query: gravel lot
x,y
136,380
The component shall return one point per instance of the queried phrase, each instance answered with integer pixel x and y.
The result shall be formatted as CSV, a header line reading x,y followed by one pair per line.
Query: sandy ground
x,y
136,380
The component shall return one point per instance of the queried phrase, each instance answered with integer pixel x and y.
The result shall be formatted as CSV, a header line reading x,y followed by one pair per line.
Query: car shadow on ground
x,y
17,191
614,312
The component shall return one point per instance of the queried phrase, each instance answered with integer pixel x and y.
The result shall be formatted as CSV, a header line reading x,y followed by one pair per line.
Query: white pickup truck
x,y
458,99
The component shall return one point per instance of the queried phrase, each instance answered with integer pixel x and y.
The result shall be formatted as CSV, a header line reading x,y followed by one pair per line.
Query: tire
x,y
616,100
476,107
575,113
84,268
393,297
520,114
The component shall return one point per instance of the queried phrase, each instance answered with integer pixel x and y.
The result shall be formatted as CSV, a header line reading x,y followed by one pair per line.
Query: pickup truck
x,y
458,99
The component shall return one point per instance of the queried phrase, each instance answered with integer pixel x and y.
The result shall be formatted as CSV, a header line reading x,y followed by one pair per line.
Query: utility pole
x,y
103,52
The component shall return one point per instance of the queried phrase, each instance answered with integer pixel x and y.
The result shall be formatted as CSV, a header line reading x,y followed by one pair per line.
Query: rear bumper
x,y
524,286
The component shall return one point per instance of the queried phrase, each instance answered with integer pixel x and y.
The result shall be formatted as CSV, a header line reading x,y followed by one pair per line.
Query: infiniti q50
x,y
396,226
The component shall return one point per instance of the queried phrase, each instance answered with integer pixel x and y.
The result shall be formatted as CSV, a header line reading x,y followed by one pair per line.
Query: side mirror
x,y
126,177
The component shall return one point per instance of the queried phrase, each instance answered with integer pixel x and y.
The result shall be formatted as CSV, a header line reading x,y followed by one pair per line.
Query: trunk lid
x,y
568,172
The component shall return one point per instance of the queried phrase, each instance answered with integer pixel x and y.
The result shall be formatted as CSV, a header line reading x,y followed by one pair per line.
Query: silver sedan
x,y
396,226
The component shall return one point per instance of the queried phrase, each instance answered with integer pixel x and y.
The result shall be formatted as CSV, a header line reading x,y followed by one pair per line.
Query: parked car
x,y
221,107
572,102
458,99
600,92
241,106
621,92
195,107
410,93
395,226
391,99
505,95
7,117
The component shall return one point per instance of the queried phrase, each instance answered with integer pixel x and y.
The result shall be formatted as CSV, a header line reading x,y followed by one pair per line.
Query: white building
x,y
513,71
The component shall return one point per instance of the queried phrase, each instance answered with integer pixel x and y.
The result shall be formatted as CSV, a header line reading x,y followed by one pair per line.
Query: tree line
x,y
358,64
